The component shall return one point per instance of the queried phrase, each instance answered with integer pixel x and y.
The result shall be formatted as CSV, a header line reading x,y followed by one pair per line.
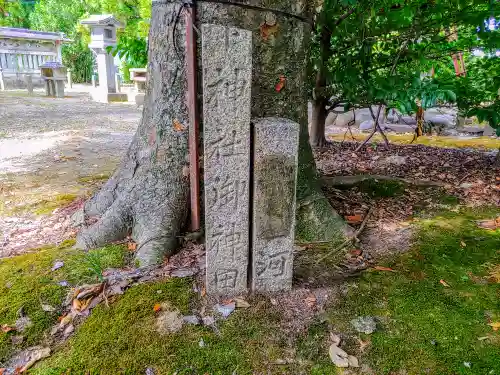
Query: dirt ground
x,y
54,150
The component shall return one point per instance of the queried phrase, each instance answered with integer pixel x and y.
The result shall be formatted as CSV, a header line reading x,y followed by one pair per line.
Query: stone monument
x,y
275,163
227,77
249,241
103,35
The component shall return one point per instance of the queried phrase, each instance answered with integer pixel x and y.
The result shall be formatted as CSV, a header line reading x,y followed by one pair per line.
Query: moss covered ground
x,y
434,314
27,282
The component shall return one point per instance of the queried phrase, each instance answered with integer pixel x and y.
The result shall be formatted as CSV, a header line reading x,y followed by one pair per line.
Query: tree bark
x,y
148,195
317,130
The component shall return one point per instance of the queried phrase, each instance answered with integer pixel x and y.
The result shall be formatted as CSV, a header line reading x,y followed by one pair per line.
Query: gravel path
x,y
50,147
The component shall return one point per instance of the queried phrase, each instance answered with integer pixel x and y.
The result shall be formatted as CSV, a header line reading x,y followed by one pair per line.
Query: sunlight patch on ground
x,y
487,143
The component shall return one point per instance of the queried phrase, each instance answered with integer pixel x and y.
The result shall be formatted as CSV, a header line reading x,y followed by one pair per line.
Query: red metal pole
x,y
194,173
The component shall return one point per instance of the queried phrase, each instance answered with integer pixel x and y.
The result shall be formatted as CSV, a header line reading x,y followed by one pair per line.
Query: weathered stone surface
x,y
275,178
227,77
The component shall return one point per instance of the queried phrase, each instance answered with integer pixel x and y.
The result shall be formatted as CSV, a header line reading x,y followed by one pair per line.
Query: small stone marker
x,y
227,78
276,143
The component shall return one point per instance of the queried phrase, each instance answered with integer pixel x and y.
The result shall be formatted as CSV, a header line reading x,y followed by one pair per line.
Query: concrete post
x,y
2,83
70,79
59,88
94,83
29,83
118,82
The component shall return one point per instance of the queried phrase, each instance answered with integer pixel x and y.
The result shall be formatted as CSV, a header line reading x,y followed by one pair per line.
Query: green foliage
x,y
15,13
65,15
79,58
57,15
424,92
478,92
133,51
376,51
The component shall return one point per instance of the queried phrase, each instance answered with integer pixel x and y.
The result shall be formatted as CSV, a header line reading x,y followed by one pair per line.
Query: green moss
x,y
47,206
27,282
317,221
44,206
123,339
426,327
89,180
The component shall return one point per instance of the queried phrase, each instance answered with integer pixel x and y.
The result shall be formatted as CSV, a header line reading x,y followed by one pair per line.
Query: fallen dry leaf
x,y
268,30
311,301
354,219
203,292
241,303
85,303
492,224
2,371
132,246
6,328
463,244
363,344
77,305
495,325
356,252
178,126
380,268
444,283
157,308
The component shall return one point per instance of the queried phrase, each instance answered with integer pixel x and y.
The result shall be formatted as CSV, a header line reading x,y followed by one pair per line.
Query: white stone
x,y
366,125
276,148
338,356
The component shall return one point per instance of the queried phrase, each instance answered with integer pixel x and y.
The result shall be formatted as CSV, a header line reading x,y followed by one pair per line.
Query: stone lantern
x,y
103,35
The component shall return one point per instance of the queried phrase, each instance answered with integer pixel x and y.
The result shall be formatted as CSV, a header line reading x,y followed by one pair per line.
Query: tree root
x,y
353,239
346,181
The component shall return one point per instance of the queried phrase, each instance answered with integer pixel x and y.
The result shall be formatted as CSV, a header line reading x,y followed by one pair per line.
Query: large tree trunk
x,y
148,194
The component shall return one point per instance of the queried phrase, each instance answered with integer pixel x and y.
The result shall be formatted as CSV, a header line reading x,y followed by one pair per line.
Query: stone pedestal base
x,y
139,99
108,97
53,88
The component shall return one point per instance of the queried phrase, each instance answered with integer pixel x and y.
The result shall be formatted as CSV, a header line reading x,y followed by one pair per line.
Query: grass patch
x,y
425,326
485,143
27,282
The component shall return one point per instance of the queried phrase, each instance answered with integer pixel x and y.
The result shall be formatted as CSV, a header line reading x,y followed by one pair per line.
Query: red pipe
x,y
194,170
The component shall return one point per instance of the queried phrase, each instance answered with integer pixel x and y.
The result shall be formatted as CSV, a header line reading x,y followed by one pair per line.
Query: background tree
x,y
65,15
386,41
15,13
